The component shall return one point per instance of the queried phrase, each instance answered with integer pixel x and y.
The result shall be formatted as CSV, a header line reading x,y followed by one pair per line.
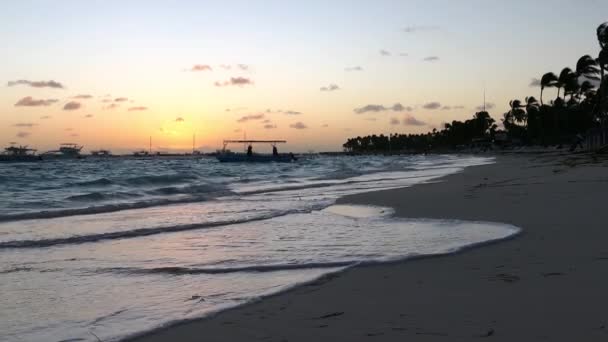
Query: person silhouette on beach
x,y
249,151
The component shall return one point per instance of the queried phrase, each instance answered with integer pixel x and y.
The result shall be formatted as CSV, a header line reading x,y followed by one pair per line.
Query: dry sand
x,y
548,284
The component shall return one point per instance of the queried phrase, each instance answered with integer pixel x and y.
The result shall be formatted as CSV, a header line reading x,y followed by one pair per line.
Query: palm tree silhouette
x,y
548,80
564,77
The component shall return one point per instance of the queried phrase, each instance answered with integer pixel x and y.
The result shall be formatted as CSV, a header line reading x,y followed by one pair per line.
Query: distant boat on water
x,y
101,153
19,154
65,151
227,156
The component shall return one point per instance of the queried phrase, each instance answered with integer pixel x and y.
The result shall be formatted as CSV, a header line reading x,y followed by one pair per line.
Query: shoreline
x,y
290,315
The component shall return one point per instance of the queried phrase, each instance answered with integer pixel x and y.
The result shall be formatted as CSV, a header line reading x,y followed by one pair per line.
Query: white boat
x,y
65,151
19,154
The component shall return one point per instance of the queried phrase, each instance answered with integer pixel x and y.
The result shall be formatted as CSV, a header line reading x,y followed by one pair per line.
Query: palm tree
x,y
548,80
516,112
602,38
564,77
588,67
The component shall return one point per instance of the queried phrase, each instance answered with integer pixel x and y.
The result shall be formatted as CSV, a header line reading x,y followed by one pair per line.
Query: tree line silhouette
x,y
581,105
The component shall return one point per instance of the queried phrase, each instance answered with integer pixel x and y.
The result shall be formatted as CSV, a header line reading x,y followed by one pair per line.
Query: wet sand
x,y
548,284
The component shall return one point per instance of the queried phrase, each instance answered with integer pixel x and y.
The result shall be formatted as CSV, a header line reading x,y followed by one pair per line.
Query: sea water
x,y
117,247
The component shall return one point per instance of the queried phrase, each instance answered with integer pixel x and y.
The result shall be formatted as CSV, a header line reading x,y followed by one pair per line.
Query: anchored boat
x,y
19,154
65,151
227,156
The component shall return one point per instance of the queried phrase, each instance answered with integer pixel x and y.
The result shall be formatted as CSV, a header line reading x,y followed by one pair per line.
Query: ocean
x,y
113,248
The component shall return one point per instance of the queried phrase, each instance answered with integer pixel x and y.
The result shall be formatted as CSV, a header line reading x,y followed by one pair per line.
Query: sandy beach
x,y
547,284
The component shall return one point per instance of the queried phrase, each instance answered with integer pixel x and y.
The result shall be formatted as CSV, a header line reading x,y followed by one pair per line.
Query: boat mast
x,y
150,146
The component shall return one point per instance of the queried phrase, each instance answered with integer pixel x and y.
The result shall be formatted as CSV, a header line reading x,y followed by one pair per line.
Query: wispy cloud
x,y
74,135
384,52
298,125
403,54
354,68
394,121
409,120
446,108
432,105
535,82
72,105
137,109
420,28
325,125
45,117
431,59
37,84
25,124
201,67
270,126
243,67
179,119
82,97
23,134
31,102
225,66
374,108
235,81
251,117
111,106
88,116
121,99
458,107
331,87
292,112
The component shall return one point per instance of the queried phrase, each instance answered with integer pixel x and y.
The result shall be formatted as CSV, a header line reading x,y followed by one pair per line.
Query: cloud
x,y
111,106
535,82
292,112
25,124
394,121
121,99
237,130
179,119
430,59
458,107
270,126
489,105
235,81
37,84
397,107
355,68
23,134
201,67
69,129
83,97
45,117
28,101
403,54
371,119
384,52
243,67
225,66
137,109
251,117
88,116
432,105
72,105
325,125
331,87
412,121
74,135
106,100
420,28
298,125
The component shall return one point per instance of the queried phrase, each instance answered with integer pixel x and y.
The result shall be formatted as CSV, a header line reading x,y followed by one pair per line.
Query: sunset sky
x,y
109,74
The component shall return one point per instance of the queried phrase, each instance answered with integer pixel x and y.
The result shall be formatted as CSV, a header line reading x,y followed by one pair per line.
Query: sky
x,y
110,74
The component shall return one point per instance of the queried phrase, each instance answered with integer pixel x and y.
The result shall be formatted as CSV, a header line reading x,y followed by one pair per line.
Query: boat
x,y
65,151
19,154
101,153
227,156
